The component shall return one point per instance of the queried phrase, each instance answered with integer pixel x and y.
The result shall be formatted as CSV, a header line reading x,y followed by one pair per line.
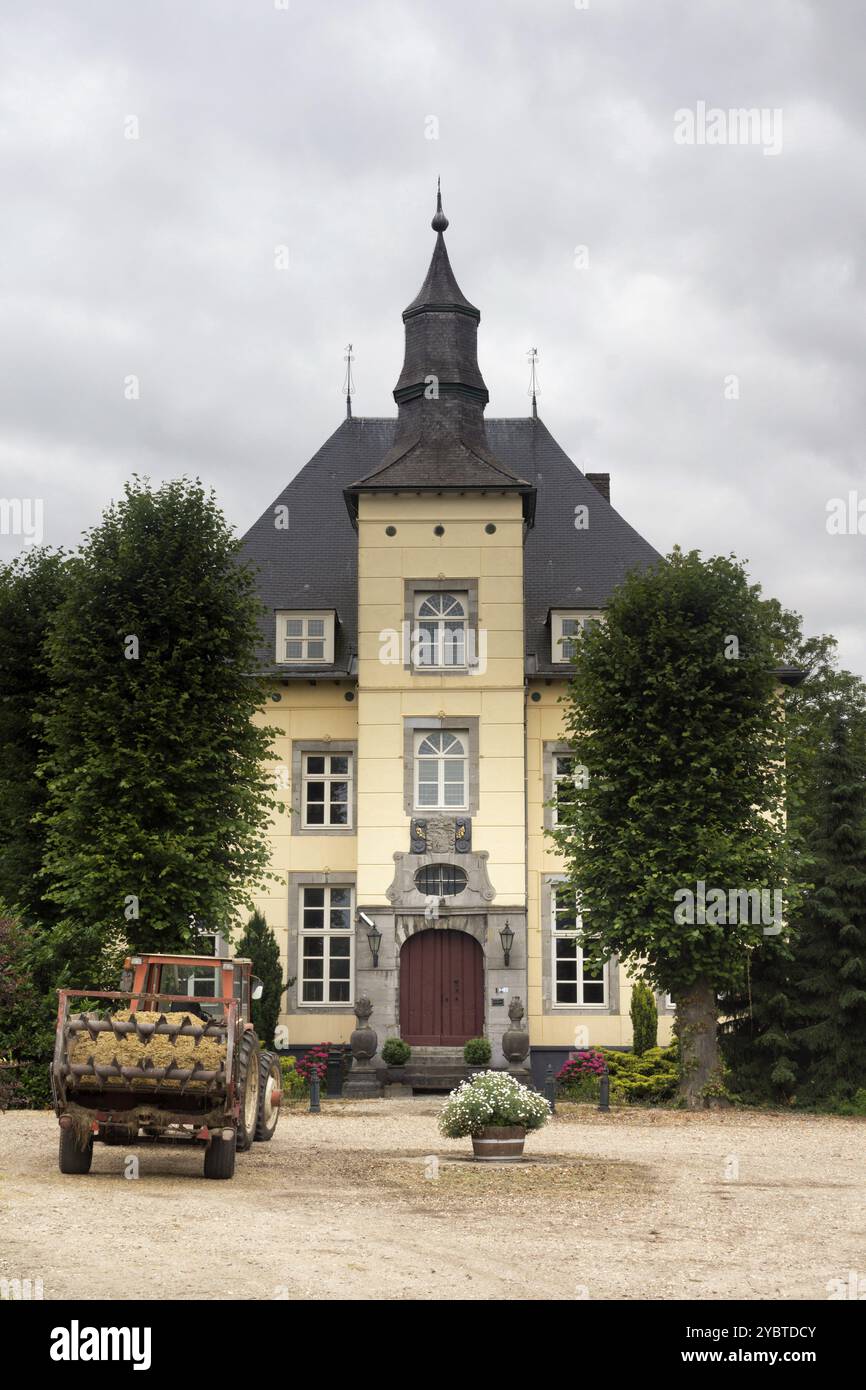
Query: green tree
x,y
830,964
31,588
673,710
644,1018
763,1015
27,1016
158,798
259,943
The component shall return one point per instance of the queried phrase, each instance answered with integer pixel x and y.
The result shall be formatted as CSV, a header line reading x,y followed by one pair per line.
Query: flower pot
x,y
499,1144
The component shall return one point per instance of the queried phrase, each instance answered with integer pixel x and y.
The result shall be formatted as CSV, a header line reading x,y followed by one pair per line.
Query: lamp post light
x,y
506,936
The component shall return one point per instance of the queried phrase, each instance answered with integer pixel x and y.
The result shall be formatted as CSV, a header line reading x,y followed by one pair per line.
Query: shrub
x,y
260,945
492,1098
477,1052
396,1052
653,1076
294,1085
644,1018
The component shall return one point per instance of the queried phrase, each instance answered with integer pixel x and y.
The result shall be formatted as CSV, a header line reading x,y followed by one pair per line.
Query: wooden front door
x,y
441,989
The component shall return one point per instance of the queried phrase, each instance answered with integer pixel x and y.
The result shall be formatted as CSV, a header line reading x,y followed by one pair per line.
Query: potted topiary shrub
x,y
396,1052
477,1052
496,1111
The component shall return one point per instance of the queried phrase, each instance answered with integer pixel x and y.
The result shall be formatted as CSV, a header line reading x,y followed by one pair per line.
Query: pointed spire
x,y
440,221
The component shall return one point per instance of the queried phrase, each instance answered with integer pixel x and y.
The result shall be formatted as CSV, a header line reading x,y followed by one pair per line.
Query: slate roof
x,y
313,564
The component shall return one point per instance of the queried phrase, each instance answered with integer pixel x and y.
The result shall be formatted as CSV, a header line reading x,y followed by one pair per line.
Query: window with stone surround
x,y
326,792
325,944
439,636
441,758
578,977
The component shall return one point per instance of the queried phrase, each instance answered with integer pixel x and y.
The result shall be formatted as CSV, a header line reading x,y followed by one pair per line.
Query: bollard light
x,y
315,1101
550,1088
604,1090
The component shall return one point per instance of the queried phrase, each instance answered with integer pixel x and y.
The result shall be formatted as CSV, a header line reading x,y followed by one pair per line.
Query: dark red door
x,y
441,988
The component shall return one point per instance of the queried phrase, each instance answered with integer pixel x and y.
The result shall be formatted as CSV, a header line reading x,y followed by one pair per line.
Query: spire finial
x,y
440,221
348,383
532,354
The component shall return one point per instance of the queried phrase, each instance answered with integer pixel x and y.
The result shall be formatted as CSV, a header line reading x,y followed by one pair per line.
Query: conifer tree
x,y
830,966
259,943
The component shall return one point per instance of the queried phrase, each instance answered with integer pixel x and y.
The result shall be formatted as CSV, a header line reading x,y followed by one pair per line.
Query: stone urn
x,y
364,1039
515,1039
363,1079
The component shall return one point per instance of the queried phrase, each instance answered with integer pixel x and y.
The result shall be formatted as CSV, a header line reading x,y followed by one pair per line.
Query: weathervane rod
x,y
532,354
348,383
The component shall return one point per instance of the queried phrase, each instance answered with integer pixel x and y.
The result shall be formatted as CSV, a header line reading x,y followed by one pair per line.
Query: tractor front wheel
x,y
219,1157
73,1158
249,1063
270,1084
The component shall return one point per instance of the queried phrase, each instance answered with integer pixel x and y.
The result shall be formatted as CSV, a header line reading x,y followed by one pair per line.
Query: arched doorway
x,y
441,988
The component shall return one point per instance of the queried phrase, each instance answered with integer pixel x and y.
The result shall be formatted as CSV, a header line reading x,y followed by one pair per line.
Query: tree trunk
x,y
697,1026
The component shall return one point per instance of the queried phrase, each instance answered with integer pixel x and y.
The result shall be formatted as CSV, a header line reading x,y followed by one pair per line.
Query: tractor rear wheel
x,y
219,1157
73,1158
249,1063
270,1080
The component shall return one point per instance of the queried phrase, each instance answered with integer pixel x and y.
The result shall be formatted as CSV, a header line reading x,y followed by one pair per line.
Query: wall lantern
x,y
374,940
506,936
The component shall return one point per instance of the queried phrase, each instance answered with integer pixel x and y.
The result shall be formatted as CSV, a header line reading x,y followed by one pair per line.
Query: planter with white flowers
x,y
496,1111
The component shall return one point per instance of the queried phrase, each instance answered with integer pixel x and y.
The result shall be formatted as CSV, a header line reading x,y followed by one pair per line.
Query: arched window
x,y
440,630
440,880
440,771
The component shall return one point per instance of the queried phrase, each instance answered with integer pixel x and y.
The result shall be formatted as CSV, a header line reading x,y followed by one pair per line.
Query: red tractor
x,y
171,1056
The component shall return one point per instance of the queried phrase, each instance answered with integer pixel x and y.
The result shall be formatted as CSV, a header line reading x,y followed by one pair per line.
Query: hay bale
x,y
162,1050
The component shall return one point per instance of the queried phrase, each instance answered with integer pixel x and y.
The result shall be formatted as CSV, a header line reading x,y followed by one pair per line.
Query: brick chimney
x,y
601,483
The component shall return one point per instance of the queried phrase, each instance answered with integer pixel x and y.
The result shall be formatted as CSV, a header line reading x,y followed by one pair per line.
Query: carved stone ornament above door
x,y
475,897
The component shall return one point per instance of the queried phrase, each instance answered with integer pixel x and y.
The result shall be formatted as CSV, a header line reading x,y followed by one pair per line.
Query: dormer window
x,y
565,629
305,638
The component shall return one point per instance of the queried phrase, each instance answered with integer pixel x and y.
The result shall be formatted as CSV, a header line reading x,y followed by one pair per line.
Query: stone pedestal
x,y
363,1079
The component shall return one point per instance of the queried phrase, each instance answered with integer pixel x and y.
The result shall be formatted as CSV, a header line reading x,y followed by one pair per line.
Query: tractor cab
x,y
205,982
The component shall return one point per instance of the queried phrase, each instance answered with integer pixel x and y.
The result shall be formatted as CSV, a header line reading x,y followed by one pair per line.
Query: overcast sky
x,y
307,126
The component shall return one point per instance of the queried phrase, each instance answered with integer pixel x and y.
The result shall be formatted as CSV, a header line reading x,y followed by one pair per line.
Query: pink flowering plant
x,y
491,1098
315,1059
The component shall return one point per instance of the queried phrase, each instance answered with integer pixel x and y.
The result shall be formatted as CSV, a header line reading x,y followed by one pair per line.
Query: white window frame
x,y
581,983
441,640
327,933
442,757
556,778
327,777
307,618
559,641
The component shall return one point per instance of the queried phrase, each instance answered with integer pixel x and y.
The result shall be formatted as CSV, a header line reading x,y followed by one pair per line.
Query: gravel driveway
x,y
367,1201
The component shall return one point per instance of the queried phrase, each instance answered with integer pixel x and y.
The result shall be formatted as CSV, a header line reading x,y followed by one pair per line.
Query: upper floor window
x,y
579,975
440,770
327,790
305,638
565,630
563,783
440,630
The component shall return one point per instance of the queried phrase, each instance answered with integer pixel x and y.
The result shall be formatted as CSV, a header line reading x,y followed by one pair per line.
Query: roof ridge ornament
x,y
440,221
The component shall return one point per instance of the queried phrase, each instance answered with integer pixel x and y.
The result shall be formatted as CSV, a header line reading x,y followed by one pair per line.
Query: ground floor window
x,y
579,976
326,945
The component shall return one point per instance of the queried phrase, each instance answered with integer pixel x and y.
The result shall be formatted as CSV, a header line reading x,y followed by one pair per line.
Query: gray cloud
x,y
261,127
